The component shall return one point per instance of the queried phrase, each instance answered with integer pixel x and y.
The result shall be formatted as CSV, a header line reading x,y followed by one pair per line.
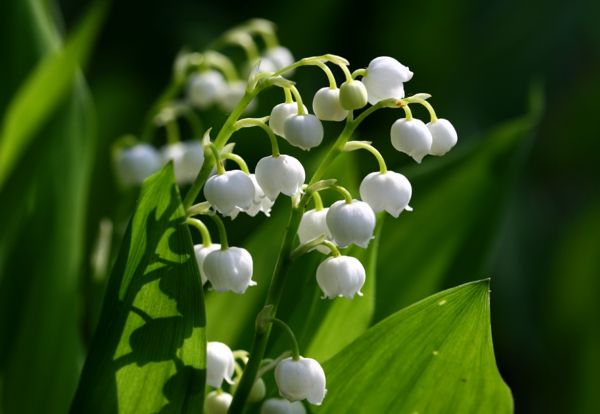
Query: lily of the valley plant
x,y
210,79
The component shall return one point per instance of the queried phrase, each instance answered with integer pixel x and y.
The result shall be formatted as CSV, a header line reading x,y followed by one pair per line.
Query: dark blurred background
x,y
479,60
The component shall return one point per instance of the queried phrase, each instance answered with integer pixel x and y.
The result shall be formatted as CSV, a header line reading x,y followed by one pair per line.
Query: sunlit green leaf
x,y
148,352
435,356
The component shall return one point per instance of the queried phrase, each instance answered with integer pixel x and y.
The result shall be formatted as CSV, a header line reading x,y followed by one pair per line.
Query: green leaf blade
x,y
435,356
148,354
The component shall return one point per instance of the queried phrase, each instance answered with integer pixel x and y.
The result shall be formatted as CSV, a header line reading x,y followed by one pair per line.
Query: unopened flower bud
x,y
326,105
135,163
385,79
444,136
217,402
353,95
205,88
303,131
229,270
281,406
220,364
280,114
301,379
187,156
351,223
230,192
389,191
411,137
341,276
281,174
201,252
313,225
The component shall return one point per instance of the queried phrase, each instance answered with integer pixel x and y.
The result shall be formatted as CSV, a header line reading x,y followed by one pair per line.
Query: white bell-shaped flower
x,y
280,113
444,136
389,191
385,79
205,88
230,192
303,131
326,105
261,202
220,364
353,95
281,406
201,251
312,225
351,223
229,270
280,56
217,402
341,276
301,379
411,137
232,95
187,157
135,163
281,174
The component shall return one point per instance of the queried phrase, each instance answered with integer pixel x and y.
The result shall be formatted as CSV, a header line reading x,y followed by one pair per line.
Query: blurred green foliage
x,y
477,59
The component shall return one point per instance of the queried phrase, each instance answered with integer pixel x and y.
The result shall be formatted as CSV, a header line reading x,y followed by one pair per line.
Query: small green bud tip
x,y
353,95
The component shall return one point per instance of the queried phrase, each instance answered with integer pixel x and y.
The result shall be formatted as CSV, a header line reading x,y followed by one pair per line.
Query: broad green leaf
x,y
148,353
42,239
435,356
458,203
45,88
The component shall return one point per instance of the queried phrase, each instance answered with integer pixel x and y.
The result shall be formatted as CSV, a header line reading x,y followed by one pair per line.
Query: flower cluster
x,y
202,80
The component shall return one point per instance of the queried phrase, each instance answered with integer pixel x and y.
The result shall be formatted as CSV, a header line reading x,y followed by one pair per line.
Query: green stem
x,y
359,72
224,134
298,98
288,95
291,336
343,192
426,104
217,158
173,135
407,112
355,145
317,200
238,160
260,122
222,231
331,246
206,240
328,73
261,334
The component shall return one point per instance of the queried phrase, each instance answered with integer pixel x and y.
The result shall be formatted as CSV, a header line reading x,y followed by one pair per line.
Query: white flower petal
x,y
351,223
282,174
229,270
444,136
389,191
411,137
